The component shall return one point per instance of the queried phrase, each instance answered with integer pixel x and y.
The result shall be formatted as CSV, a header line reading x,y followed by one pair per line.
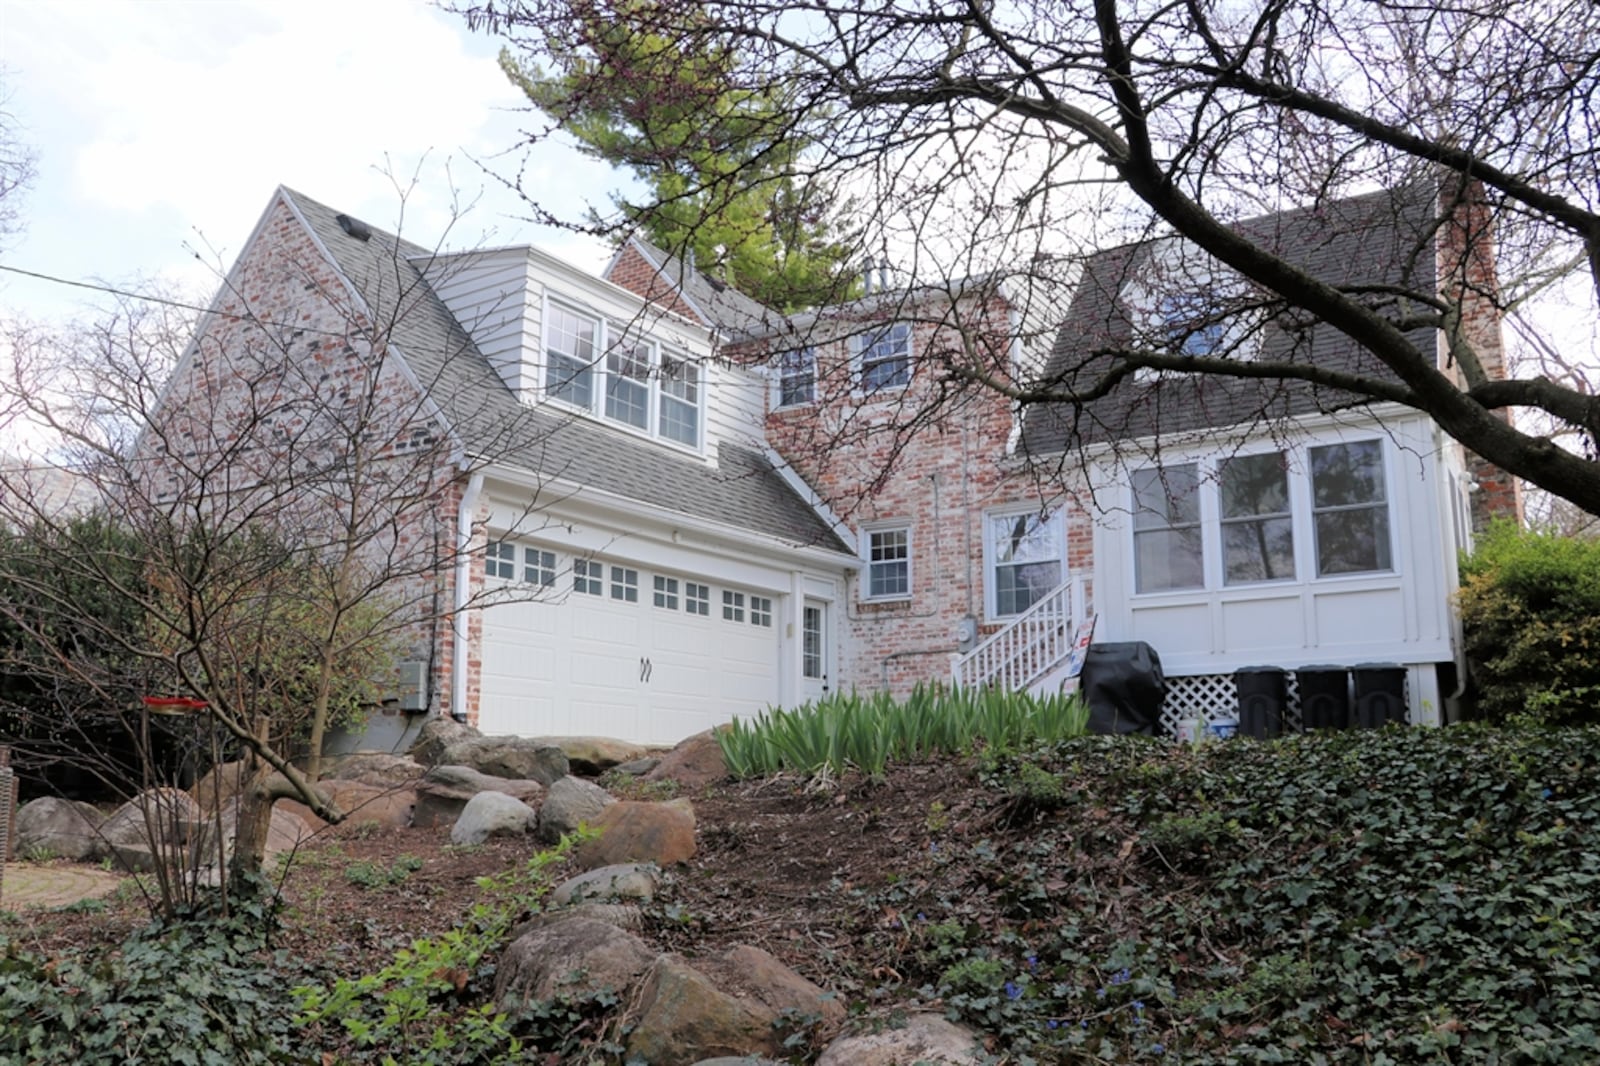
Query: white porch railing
x,y
1029,647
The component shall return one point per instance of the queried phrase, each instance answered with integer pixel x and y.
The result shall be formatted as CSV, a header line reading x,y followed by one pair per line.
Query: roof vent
x,y
355,227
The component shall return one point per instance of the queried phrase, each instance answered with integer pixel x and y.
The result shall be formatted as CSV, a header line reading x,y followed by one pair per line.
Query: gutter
x,y
463,594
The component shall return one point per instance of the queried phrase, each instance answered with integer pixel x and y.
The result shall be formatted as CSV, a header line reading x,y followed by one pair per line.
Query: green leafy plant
x,y
371,875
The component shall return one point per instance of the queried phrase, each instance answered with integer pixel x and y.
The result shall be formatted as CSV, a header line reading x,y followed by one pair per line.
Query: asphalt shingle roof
x,y
725,307
743,490
1380,238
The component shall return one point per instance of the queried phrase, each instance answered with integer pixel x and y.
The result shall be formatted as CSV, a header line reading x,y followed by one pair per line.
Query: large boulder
x,y
662,833
437,734
695,763
758,975
516,758
220,784
569,803
624,916
491,814
572,957
631,881
58,827
680,1016
379,768
445,791
285,833
925,1038
363,804
160,819
593,756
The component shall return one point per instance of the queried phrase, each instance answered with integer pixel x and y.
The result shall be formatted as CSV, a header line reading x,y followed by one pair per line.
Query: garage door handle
x,y
646,667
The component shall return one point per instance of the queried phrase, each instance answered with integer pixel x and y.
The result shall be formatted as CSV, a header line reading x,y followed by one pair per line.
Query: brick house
x,y
664,505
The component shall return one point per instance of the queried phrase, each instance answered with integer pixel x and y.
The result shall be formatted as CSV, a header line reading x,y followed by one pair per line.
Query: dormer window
x,y
1182,302
1194,323
637,382
883,357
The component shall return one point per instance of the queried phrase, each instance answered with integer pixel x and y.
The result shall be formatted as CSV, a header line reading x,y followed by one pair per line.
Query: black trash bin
x,y
1324,697
1124,687
1380,694
1263,698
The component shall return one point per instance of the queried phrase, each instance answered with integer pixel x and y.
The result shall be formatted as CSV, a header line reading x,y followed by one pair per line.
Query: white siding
x,y
488,294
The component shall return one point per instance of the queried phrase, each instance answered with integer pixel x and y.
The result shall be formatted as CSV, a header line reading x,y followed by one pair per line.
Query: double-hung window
x,y
1167,542
1350,508
797,377
1024,551
1257,525
883,357
888,558
570,340
1195,322
628,382
680,400
624,377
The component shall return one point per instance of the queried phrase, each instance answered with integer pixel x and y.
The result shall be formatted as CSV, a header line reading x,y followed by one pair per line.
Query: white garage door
x,y
613,650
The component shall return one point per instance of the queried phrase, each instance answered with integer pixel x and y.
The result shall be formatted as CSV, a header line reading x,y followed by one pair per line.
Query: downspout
x,y
458,617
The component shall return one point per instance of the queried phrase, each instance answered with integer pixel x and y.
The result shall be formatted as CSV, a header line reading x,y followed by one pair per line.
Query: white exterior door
x,y
816,651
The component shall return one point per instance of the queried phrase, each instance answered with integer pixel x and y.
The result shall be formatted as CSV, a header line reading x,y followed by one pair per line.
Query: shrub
x,y
1530,605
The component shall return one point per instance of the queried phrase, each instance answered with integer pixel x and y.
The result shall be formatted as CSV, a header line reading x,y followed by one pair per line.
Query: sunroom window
x,y
1167,543
1257,526
1350,508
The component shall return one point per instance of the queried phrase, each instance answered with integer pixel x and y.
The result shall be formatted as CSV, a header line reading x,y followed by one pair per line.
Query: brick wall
x,y
632,271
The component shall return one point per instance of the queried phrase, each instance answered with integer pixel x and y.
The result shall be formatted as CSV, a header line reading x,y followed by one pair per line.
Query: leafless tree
x,y
987,139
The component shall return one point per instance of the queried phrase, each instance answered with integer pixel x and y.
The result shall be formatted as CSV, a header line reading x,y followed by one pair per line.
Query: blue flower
x,y
1100,994
1138,1004
1121,977
1052,1023
1546,794
1032,961
1013,990
1157,1048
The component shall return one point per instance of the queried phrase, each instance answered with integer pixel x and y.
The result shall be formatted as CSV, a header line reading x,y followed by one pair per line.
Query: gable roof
x,y
716,303
1382,238
744,491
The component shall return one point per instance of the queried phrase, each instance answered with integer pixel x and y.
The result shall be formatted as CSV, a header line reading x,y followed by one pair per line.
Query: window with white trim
x,y
1350,508
1024,552
1257,523
1195,322
888,559
539,567
761,611
625,584
666,592
1167,542
696,598
797,377
611,371
732,606
588,577
883,357
500,559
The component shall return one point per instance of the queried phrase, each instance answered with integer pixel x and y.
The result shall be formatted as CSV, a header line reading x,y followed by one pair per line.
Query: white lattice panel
x,y
1212,696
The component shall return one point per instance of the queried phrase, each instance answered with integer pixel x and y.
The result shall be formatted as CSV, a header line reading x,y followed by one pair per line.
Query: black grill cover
x,y
1124,688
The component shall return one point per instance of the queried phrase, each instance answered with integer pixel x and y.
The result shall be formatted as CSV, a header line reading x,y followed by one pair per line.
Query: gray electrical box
x,y
411,683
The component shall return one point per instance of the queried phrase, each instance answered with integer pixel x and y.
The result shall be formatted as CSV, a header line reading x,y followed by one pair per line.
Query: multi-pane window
x,y
1350,508
1193,322
666,592
628,383
1025,559
888,563
883,357
811,643
680,400
624,584
696,598
500,559
539,567
761,611
732,606
797,377
587,577
1257,527
570,346
1166,529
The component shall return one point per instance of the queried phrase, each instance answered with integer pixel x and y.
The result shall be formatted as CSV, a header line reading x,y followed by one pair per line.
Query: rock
x,y
625,881
60,827
739,1060
624,916
572,957
695,763
925,1038
517,758
593,756
662,833
437,734
362,804
570,802
285,832
492,814
680,1017
379,768
160,819
223,782
445,791
639,767
758,975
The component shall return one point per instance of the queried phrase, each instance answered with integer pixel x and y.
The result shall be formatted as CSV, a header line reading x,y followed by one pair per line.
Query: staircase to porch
x,y
1030,652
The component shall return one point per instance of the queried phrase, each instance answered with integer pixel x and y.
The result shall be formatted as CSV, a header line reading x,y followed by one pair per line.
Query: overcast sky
x,y
161,128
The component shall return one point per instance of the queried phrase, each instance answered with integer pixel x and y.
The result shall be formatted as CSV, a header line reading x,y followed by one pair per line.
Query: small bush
x,y
1530,605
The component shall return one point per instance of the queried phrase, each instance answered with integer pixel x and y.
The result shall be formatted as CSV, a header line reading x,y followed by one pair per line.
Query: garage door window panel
x,y
696,598
732,606
500,560
666,592
588,577
624,584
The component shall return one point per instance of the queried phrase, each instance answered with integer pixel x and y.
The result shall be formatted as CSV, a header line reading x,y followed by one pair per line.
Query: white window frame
x,y
624,584
896,333
665,592
868,546
609,376
588,577
732,606
1162,473
761,611
1385,504
796,365
1224,522
500,560
539,566
991,554
697,599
